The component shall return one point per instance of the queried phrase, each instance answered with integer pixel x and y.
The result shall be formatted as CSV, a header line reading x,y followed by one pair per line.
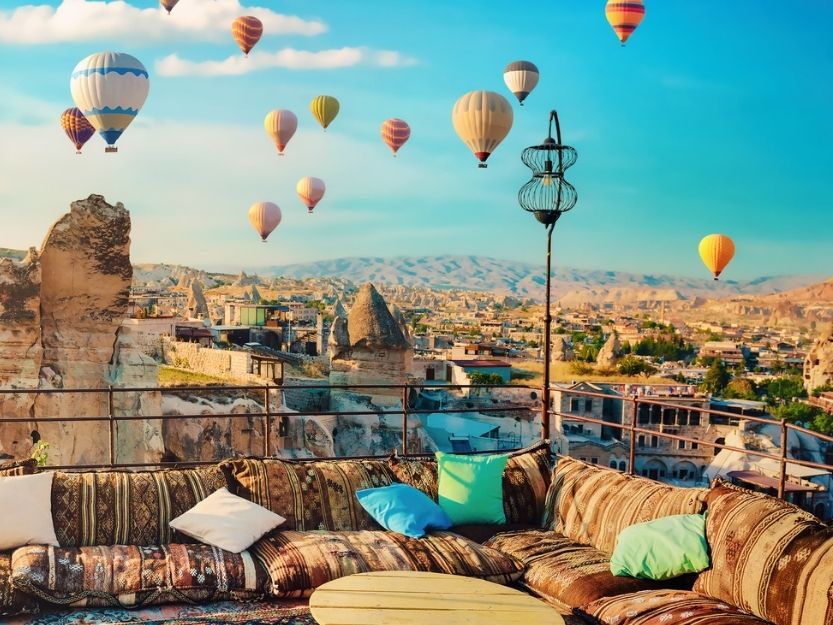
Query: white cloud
x,y
289,58
94,20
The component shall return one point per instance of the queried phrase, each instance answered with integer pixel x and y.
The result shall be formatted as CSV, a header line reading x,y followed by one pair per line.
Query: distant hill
x,y
15,254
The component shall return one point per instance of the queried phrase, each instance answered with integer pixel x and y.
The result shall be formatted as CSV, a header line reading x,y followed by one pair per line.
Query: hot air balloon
x,y
521,78
77,128
264,217
324,108
482,119
395,132
280,124
246,31
109,88
624,16
168,5
716,250
310,190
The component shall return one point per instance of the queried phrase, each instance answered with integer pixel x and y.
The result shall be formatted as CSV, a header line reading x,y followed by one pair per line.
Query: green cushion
x,y
661,549
470,488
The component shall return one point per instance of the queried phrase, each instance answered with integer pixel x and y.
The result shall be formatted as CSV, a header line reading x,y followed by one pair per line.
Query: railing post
x,y
267,425
632,432
545,414
111,424
782,478
405,419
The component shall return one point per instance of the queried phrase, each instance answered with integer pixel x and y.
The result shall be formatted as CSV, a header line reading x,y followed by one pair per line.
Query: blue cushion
x,y
403,509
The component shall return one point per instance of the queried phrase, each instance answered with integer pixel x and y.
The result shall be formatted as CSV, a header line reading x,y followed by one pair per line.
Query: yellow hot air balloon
x,y
482,119
324,108
624,16
716,250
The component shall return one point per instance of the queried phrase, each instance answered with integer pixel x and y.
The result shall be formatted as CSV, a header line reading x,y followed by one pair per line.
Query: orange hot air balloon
x,y
310,190
265,217
77,127
280,124
168,5
624,16
246,31
716,250
395,132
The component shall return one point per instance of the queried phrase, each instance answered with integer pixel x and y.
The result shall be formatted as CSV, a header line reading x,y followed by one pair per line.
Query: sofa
x,y
771,562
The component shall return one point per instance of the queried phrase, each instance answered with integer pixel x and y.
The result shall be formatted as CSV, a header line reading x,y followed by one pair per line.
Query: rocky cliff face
x,y
818,367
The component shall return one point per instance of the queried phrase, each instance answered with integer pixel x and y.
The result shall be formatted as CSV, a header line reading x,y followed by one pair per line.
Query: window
x,y
694,418
682,417
680,444
583,458
594,460
640,441
668,416
656,413
574,404
654,441
623,466
429,373
644,415
588,405
612,464
695,445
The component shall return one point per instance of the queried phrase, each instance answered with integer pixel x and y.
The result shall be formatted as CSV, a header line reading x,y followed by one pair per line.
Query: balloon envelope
x,y
482,119
264,217
168,5
324,108
246,31
77,128
109,88
521,78
310,190
280,124
716,250
624,16
395,132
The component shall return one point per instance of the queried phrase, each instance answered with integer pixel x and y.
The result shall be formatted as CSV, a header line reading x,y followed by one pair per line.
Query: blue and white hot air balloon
x,y
109,88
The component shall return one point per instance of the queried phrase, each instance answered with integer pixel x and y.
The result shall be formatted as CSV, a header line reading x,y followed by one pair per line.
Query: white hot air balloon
x,y
482,119
521,78
109,88
264,217
280,125
310,190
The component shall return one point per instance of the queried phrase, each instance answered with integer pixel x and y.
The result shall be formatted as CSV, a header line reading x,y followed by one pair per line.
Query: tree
x,y
716,378
740,388
485,379
785,389
631,365
824,388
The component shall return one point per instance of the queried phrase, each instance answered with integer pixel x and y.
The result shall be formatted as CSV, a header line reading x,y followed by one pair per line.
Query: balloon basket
x,y
482,165
78,152
110,148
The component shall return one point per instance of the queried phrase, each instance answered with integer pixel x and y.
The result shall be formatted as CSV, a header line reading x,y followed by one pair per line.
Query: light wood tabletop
x,y
411,598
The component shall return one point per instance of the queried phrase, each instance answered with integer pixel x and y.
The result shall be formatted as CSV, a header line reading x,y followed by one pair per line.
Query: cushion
x,y
12,601
18,467
563,572
132,576
25,515
403,509
592,504
127,507
470,488
227,521
299,562
525,481
665,607
769,558
663,548
310,495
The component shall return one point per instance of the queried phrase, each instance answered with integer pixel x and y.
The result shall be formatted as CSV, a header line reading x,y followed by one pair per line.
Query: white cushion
x,y
227,521
26,511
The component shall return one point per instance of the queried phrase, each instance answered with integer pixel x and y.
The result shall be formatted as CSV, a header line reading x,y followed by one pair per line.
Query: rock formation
x,y
561,349
254,295
609,353
818,366
197,306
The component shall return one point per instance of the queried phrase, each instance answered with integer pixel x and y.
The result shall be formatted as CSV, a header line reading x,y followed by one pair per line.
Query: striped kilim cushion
x,y
300,562
126,507
310,495
12,601
665,607
592,504
769,558
17,467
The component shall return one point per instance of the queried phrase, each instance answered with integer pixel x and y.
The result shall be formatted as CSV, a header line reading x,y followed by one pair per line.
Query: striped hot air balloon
x,y
168,5
310,190
624,16
280,124
77,127
716,250
109,88
521,78
395,132
324,108
264,217
246,31
482,119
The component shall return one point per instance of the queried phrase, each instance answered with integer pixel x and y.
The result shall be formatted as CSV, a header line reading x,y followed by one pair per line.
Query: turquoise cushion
x,y
661,549
470,488
403,509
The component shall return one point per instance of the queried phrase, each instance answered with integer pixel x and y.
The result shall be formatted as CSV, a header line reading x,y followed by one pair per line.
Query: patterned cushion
x,y
592,504
135,576
18,467
769,558
12,601
564,572
299,562
665,607
126,507
310,495
525,481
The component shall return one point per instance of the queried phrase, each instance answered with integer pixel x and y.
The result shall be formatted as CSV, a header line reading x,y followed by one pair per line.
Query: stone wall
x,y
221,363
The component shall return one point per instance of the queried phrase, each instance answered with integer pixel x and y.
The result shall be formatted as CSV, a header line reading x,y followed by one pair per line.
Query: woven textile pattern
x,y
131,576
126,507
299,562
17,467
592,505
769,558
12,601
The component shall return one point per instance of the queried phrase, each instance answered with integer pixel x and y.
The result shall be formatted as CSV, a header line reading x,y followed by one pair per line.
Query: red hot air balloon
x,y
77,127
395,132
246,31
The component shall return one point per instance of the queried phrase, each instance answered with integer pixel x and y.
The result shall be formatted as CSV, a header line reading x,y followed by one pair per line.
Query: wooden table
x,y
410,598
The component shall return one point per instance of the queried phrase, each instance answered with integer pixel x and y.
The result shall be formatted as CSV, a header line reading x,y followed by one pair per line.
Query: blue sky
x,y
714,118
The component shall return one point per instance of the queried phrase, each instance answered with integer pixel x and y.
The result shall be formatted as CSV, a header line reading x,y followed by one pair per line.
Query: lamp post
x,y
548,196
